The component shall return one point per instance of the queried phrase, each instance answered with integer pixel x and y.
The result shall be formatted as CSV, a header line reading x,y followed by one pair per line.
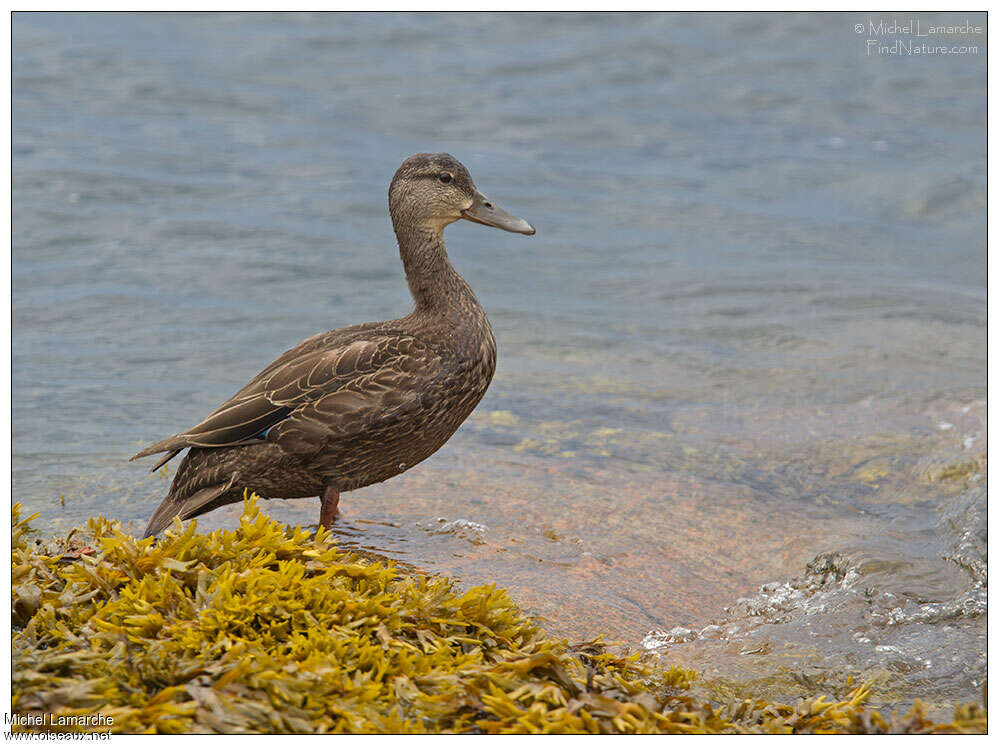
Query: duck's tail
x,y
194,504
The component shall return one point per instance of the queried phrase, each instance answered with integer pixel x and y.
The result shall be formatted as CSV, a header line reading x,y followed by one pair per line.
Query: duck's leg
x,y
327,511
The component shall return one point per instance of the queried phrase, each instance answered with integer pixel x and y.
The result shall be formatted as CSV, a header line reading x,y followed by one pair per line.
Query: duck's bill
x,y
485,212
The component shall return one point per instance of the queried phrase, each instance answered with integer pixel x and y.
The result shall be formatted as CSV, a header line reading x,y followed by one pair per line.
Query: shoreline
x,y
268,628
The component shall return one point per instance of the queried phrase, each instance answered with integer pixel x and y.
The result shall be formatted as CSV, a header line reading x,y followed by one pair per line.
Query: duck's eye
x,y
445,178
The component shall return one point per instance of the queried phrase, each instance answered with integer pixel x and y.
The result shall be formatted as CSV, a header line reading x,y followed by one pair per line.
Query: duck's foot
x,y
327,511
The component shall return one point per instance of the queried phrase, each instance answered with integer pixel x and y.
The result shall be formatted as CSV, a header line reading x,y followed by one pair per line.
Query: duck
x,y
355,406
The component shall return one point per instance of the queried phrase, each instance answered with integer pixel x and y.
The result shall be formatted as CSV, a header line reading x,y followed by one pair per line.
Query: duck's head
x,y
432,190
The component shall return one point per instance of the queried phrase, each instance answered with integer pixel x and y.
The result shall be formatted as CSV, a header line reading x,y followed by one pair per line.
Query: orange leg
x,y
327,511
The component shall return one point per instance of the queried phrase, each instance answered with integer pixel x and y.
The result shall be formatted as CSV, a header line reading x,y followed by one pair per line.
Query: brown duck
x,y
355,406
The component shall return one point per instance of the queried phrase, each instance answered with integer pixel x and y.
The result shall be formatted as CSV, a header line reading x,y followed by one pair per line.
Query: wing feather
x,y
316,389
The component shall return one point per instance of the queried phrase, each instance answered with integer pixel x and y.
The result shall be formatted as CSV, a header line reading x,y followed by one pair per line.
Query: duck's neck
x,y
434,283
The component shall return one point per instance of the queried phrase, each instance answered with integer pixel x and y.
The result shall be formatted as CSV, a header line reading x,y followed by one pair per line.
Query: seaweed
x,y
267,628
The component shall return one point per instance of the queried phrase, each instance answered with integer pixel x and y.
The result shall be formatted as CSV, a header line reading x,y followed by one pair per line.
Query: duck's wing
x,y
316,389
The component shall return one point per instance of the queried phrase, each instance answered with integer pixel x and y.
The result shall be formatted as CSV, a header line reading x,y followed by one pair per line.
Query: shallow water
x,y
749,333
